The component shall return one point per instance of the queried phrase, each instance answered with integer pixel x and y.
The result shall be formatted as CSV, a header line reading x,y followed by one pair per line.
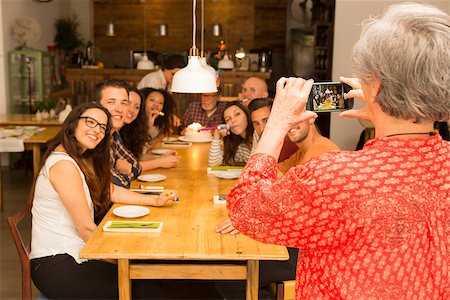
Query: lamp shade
x,y
110,29
207,67
193,79
226,63
145,63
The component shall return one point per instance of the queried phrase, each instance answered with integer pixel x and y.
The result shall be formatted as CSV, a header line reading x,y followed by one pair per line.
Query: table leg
x,y
36,158
124,279
1,186
252,280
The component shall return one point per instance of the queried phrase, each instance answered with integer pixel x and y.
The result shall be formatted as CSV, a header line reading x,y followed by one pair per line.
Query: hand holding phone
x,y
329,97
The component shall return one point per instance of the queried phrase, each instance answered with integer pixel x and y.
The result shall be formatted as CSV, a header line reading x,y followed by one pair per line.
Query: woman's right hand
x,y
153,114
219,133
168,161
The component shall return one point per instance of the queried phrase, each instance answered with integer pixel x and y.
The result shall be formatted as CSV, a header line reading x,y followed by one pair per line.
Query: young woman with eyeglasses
x,y
71,189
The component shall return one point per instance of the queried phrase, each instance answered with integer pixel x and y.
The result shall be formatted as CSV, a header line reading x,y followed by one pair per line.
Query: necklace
x,y
431,133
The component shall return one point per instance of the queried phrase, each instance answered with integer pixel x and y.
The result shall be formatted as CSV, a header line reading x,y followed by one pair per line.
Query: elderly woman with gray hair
x,y
373,223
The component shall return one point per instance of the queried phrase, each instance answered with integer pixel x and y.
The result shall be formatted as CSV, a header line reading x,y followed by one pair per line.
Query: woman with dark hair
x,y
70,192
159,107
135,135
237,137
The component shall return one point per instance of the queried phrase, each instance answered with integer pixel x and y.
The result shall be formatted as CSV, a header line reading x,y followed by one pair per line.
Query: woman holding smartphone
x,y
373,223
72,187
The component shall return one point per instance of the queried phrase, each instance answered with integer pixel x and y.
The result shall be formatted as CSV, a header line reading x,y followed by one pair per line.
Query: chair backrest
x,y
284,290
23,249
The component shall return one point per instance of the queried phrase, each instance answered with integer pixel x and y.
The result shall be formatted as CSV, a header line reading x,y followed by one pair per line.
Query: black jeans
x,y
61,277
270,271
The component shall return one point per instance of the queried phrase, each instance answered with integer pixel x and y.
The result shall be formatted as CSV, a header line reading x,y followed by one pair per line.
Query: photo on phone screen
x,y
329,96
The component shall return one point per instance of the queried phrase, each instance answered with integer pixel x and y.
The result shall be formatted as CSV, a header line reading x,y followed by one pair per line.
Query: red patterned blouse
x,y
371,224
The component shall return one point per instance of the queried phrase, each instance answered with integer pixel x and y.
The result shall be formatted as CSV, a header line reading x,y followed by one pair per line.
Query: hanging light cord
x,y
193,23
145,29
203,28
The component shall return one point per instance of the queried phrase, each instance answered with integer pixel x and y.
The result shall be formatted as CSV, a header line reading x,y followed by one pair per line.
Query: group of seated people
x,y
325,200
105,144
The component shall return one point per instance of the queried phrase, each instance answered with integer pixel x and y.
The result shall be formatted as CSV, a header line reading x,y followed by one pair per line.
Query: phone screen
x,y
329,96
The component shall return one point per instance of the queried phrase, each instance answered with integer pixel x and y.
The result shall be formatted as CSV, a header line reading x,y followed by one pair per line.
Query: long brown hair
x,y
94,163
232,141
135,134
164,123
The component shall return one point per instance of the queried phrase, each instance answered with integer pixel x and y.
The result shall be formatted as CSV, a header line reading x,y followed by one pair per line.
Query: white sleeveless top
x,y
53,231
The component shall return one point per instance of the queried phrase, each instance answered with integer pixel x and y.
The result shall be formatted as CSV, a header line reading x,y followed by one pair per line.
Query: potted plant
x,y
67,37
67,40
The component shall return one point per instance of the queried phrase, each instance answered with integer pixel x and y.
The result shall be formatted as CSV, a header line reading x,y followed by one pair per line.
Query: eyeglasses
x,y
92,123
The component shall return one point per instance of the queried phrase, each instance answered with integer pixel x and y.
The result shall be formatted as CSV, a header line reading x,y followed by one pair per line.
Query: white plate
x,y
227,174
152,177
131,211
170,139
186,139
30,128
162,151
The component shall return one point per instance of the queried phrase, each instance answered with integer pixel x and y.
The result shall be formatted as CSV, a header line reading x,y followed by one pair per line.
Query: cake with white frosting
x,y
193,133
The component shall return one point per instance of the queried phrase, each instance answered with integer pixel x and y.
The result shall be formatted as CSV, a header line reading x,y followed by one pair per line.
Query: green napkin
x,y
225,168
125,224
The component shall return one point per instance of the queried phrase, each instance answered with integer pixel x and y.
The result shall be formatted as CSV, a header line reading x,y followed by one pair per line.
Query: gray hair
x,y
408,50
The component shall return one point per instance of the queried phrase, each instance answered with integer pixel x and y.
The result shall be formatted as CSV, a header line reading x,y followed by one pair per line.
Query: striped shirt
x,y
215,157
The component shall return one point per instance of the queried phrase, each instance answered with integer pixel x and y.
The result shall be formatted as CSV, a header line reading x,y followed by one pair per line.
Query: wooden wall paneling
x,y
129,23
270,24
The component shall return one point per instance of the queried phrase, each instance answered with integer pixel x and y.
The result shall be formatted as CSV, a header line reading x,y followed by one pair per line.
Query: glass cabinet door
x,y
30,79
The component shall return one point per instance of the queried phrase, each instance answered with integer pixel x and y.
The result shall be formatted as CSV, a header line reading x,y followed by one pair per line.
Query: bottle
x,y
63,114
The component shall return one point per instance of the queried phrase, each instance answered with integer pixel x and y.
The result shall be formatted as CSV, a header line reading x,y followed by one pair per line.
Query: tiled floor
x,y
16,185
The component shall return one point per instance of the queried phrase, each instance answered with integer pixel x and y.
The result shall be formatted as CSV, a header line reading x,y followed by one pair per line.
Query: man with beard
x,y
310,144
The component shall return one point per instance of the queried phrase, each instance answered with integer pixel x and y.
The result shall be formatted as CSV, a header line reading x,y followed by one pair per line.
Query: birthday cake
x,y
193,134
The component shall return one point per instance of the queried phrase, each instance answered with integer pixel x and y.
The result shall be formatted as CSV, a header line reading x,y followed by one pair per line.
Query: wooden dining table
x,y
188,246
34,143
27,120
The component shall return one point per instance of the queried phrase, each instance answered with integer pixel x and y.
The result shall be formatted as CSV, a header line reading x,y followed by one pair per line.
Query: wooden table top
x,y
42,137
188,232
26,120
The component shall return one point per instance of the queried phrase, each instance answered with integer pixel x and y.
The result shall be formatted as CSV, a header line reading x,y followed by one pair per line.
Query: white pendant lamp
x,y
226,63
145,63
193,78
207,67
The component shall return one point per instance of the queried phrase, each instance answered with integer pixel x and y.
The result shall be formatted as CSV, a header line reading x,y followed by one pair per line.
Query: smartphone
x,y
329,97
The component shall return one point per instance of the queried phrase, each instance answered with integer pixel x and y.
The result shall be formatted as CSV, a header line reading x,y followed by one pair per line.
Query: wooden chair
x,y
23,249
284,290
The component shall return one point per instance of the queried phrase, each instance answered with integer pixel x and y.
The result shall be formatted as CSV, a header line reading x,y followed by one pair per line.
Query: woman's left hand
x,y
356,92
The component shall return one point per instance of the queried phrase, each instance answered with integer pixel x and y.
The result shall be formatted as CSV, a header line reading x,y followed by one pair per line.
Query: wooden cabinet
x,y
231,81
323,24
82,81
30,79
